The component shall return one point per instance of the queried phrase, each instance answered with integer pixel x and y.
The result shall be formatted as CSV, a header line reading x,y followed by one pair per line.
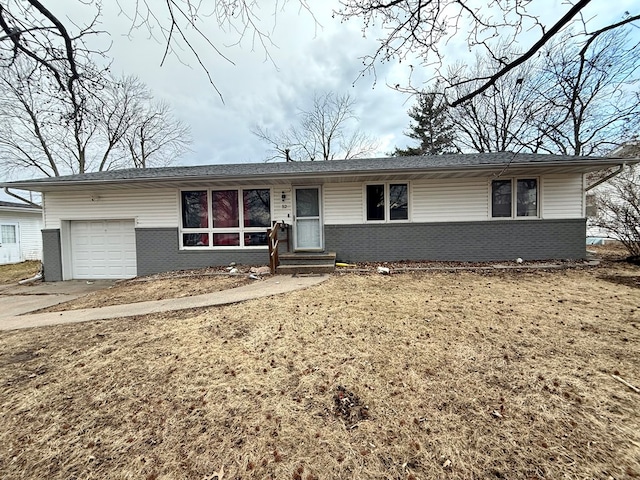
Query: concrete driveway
x,y
19,299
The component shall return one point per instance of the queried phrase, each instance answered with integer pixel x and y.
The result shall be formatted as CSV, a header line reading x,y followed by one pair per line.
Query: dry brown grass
x,y
610,251
464,375
18,271
133,291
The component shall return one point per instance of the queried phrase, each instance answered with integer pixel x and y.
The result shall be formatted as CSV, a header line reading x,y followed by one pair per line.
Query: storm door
x,y
308,219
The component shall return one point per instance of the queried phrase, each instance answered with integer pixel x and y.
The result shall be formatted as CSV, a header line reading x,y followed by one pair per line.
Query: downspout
x,y
608,177
37,277
15,195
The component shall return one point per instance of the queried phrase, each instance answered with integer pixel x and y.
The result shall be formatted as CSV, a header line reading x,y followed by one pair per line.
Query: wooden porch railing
x,y
272,234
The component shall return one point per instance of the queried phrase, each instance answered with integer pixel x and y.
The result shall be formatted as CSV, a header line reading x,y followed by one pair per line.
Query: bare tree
x,y
156,138
325,132
411,27
55,132
589,93
421,28
45,37
501,118
574,99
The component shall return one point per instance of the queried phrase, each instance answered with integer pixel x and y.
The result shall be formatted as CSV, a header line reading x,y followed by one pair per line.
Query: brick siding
x,y
458,241
157,251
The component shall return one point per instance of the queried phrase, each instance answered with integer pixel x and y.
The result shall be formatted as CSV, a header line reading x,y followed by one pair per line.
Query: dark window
x,y
225,208
375,202
527,192
225,218
256,238
226,239
307,202
398,202
257,208
501,198
195,212
195,239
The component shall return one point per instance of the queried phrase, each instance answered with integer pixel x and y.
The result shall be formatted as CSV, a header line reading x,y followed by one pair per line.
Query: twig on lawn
x,y
623,381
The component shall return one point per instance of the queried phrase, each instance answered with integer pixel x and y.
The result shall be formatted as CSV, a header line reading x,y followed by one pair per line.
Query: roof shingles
x,y
364,165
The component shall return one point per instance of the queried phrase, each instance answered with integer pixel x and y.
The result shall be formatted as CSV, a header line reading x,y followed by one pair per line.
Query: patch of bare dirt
x,y
156,288
463,375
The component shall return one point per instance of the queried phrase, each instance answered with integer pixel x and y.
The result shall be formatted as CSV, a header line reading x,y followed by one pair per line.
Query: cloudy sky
x,y
306,58
310,54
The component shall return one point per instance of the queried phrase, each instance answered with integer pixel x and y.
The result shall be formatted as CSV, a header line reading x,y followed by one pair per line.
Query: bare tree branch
x,y
44,131
323,133
423,28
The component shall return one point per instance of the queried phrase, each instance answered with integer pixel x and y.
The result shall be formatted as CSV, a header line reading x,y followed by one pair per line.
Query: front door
x,y
9,244
308,223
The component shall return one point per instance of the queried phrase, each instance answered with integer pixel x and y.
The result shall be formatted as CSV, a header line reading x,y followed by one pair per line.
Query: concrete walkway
x,y
261,288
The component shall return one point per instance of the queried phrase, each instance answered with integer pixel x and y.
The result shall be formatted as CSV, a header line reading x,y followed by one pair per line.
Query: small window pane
x,y
195,239
375,202
255,238
257,208
307,202
9,234
224,204
398,202
226,239
501,198
527,191
195,213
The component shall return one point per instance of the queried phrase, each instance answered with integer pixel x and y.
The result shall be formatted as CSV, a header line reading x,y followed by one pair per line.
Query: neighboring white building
x,y
629,153
20,232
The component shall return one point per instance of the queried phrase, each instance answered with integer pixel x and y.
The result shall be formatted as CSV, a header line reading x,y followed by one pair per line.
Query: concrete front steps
x,y
291,263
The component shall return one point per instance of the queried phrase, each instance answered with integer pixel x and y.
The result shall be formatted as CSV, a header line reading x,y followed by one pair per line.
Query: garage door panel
x,y
103,249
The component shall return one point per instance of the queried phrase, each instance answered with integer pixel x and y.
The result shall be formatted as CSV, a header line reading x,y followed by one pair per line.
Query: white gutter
x,y
608,177
15,195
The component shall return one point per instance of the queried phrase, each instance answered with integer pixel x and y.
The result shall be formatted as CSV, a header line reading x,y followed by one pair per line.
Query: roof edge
x,y
594,163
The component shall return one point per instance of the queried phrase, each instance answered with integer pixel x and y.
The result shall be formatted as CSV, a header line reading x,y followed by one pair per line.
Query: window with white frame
x,y
387,202
8,234
215,218
514,197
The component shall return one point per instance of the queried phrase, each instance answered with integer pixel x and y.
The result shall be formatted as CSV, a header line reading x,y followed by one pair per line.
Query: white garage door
x,y
103,249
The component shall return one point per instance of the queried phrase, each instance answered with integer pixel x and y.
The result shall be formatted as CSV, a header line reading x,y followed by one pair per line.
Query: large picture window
x,y
225,218
387,202
514,198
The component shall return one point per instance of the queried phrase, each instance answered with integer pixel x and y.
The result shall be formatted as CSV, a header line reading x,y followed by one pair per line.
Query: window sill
x,y
233,247
384,222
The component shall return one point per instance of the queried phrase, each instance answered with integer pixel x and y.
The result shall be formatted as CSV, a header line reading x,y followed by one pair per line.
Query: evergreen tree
x,y
431,127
